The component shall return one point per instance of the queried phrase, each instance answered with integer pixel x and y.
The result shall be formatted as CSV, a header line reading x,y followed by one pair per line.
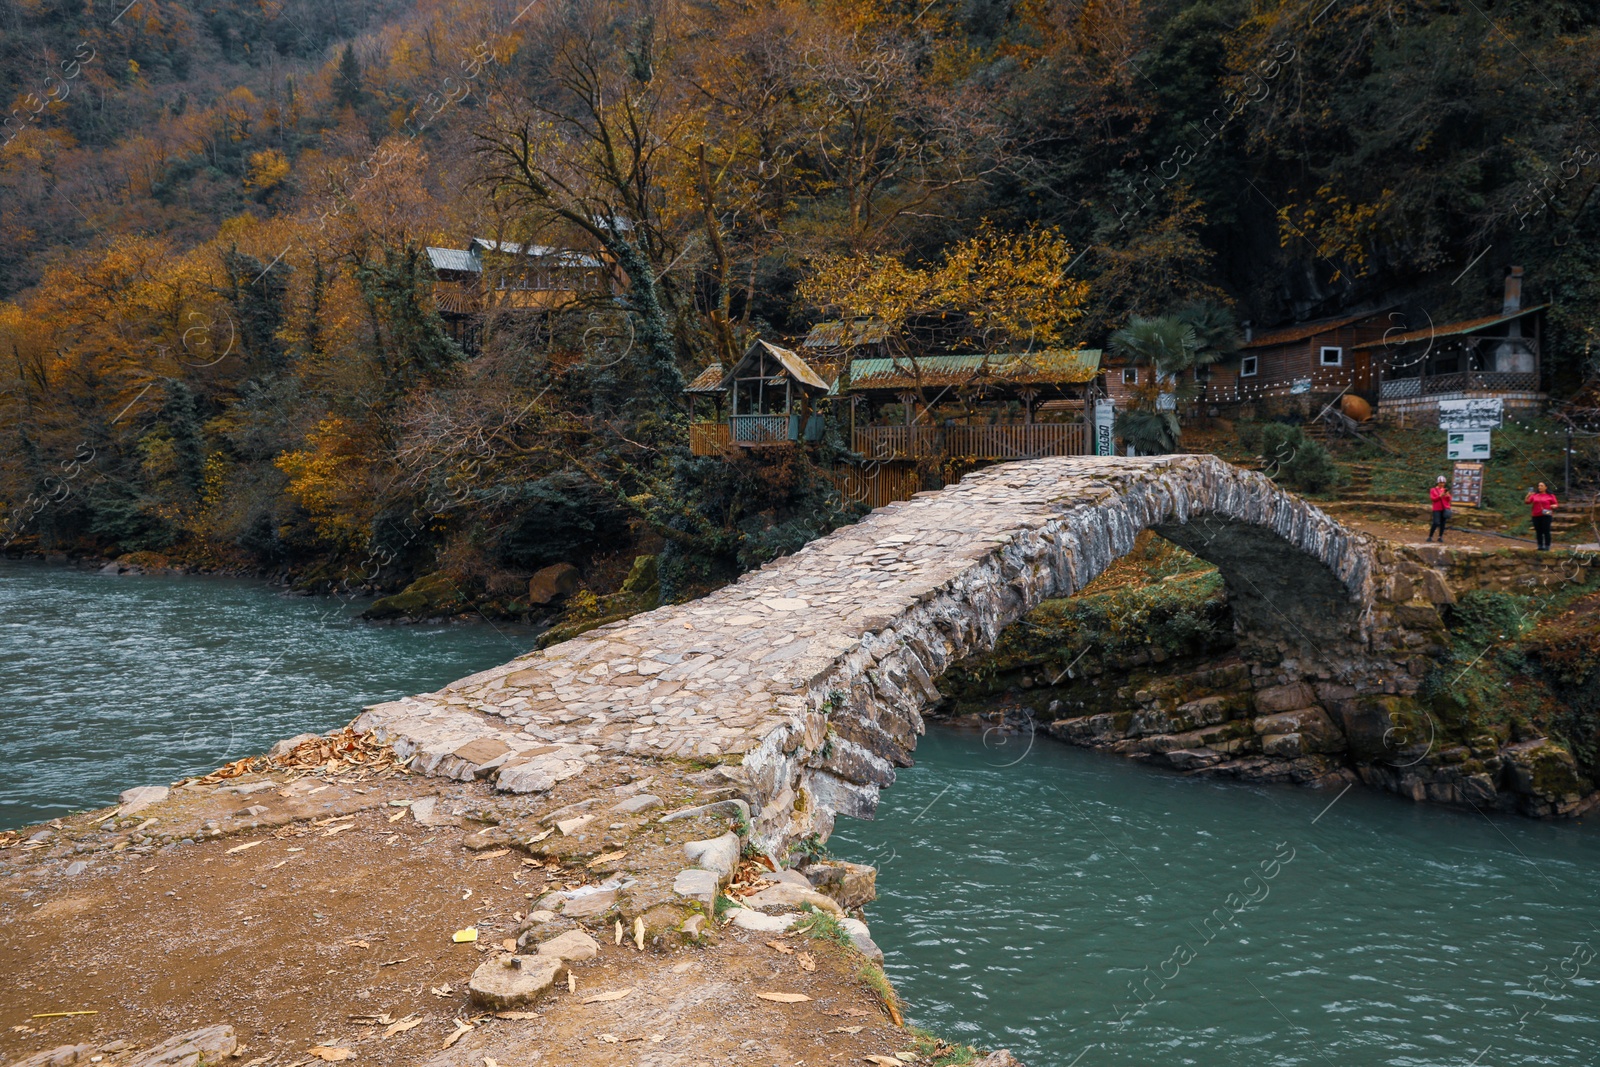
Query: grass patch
x,y
821,926
940,1052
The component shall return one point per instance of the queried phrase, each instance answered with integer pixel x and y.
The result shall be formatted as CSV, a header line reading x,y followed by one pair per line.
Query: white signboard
x,y
1484,413
1104,418
1467,444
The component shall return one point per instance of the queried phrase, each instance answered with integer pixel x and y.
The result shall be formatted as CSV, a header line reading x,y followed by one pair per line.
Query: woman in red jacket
x,y
1543,503
1440,497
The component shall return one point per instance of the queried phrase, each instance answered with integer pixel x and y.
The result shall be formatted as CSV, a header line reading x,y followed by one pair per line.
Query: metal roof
x,y
1450,329
707,381
454,259
564,257
1049,367
1300,331
841,334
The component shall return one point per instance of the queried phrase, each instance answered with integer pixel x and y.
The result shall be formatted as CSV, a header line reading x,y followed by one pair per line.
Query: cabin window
x,y
1247,366
1130,376
1332,356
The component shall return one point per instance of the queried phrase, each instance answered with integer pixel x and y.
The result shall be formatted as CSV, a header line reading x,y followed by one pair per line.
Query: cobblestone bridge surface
x,y
814,670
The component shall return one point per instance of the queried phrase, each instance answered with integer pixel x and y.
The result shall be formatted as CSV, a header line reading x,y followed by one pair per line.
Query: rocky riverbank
x,y
324,903
1147,663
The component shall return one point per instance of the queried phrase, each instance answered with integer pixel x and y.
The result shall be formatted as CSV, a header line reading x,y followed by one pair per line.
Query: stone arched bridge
x,y
815,669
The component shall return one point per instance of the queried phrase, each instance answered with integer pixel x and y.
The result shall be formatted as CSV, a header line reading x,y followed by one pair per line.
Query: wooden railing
x,y
1017,441
708,438
759,429
1460,382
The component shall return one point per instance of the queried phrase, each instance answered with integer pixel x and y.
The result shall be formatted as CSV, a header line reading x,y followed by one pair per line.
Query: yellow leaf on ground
x,y
462,1027
609,857
516,1015
601,998
330,831
885,1061
241,848
784,998
408,1023
397,816
847,1030
807,961
330,1055
462,937
492,855
354,943
780,947
638,932
610,1039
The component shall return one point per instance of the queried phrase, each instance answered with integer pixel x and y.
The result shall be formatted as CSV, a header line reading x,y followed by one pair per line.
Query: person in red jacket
x,y
1440,497
1543,503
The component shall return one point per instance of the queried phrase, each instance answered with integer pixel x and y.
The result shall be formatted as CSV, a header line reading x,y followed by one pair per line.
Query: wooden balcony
x,y
1487,383
1019,441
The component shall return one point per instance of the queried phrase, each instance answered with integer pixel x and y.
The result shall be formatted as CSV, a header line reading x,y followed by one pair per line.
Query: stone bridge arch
x,y
815,669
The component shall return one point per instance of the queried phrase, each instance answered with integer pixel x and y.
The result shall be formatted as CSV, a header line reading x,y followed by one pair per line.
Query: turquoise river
x,y
1076,908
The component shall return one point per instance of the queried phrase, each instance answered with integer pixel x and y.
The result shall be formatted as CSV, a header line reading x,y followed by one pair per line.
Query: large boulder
x,y
554,583
430,596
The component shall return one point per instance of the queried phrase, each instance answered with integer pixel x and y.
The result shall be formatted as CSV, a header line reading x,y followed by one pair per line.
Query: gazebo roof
x,y
793,366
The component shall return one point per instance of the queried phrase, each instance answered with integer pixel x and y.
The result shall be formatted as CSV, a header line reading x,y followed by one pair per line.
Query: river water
x,y
109,682
1074,907
1078,908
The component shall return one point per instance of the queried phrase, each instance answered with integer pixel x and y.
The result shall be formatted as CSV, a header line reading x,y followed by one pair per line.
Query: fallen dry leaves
x,y
807,961
603,998
784,998
241,848
330,1055
408,1023
462,1027
343,753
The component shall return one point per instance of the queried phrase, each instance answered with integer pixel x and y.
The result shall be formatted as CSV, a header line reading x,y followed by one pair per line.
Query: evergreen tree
x,y
347,82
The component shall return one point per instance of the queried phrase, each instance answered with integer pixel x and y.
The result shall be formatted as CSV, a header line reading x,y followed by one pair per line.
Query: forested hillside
x,y
218,340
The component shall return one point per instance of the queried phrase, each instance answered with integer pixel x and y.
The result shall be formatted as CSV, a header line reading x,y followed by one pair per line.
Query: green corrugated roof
x,y
1050,367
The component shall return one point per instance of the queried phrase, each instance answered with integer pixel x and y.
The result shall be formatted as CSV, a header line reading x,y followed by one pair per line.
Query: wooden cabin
x,y
1300,365
493,275
770,395
1492,357
978,407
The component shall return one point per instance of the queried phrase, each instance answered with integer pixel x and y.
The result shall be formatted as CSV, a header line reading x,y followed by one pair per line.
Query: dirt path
x,y
328,916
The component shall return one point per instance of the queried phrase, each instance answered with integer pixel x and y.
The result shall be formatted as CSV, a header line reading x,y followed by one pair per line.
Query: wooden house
x,y
1491,357
1299,365
493,275
770,394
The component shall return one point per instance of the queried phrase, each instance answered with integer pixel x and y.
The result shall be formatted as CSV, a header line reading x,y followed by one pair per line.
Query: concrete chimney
x,y
1513,301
